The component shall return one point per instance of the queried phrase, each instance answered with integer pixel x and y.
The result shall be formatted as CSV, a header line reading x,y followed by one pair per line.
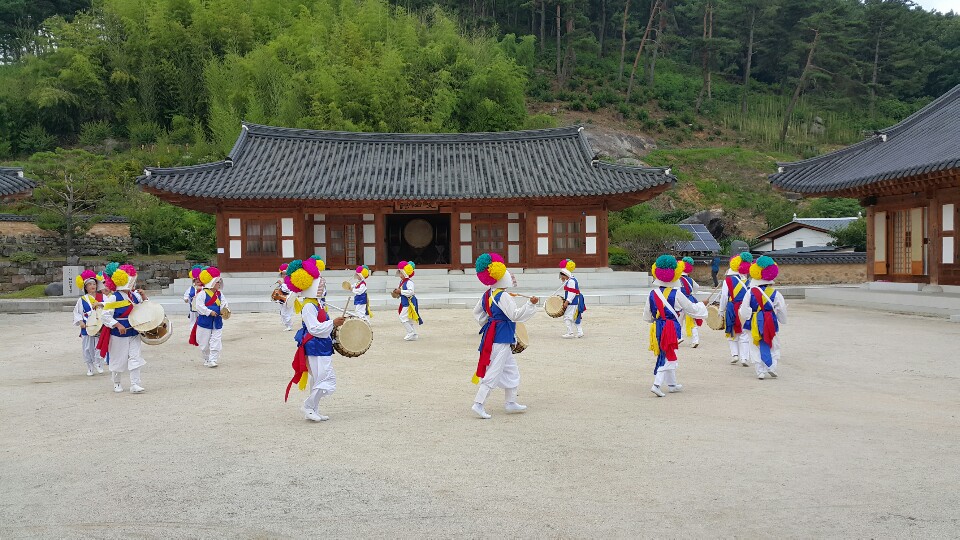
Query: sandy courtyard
x,y
858,437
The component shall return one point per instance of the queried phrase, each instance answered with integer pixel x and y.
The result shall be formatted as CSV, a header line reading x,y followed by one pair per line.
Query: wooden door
x,y
489,237
344,245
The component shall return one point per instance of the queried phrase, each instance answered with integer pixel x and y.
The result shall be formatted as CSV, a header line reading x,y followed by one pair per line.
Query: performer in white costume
x,y
663,310
90,300
762,313
122,342
361,304
313,362
409,309
689,288
573,302
287,307
498,315
192,292
735,286
207,333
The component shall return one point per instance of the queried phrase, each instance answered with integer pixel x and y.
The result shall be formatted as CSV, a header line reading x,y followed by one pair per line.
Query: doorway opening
x,y
421,238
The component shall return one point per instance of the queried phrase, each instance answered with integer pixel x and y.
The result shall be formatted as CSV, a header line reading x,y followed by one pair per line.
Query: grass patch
x,y
33,291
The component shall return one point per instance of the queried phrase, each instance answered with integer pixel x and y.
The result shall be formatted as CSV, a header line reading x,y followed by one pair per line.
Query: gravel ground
x,y
857,438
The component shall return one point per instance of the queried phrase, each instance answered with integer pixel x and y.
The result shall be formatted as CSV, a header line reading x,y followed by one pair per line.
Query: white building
x,y
801,233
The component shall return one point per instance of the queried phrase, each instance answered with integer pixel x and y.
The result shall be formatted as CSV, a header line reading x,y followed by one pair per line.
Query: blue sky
x,y
940,5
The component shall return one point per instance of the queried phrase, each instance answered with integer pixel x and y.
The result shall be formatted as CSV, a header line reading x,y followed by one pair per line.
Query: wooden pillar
x,y
603,238
380,230
934,237
455,261
871,251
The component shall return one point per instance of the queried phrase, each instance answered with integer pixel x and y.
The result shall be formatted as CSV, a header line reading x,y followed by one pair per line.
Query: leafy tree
x,y
644,242
71,183
853,235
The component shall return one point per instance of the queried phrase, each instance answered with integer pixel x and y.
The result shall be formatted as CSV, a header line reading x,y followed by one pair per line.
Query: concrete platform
x,y
893,297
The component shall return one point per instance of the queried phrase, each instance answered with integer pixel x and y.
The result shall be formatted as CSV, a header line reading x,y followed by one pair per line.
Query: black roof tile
x,y
285,163
13,182
928,140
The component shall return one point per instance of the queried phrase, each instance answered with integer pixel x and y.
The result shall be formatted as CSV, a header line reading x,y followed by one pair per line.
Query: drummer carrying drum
x,y
85,313
211,307
573,304
498,314
122,341
409,310
313,361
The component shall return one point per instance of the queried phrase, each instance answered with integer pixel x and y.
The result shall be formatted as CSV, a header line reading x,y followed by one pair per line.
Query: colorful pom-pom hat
x,y
123,276
740,264
406,269
492,272
666,271
363,272
209,277
687,265
303,276
82,279
764,270
195,271
567,267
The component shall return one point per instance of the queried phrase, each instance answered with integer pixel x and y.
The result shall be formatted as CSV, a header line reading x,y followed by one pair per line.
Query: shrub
x,y
644,242
36,139
94,133
577,105
23,257
592,105
181,130
144,132
643,115
199,257
624,110
853,235
618,256
671,122
121,257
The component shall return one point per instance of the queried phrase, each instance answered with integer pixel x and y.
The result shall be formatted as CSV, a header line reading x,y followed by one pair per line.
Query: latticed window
x,y
567,236
261,237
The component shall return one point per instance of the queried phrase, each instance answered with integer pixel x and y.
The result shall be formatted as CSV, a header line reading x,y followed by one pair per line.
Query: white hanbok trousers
x,y
211,343
502,372
322,380
125,356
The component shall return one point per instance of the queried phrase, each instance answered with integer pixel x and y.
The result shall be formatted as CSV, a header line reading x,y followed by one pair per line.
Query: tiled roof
x,y
31,218
845,257
283,163
928,140
802,250
13,182
829,224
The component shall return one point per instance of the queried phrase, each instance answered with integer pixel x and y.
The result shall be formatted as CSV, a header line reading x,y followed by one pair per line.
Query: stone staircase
x,y
436,288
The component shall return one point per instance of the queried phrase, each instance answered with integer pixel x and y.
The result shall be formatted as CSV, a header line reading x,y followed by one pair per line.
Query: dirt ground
x,y
857,438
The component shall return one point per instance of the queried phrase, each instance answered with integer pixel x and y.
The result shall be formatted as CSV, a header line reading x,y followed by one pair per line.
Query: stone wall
x,y
150,274
103,238
797,274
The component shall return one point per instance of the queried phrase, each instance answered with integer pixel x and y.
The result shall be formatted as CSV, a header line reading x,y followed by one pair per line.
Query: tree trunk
x,y
873,80
653,10
796,93
543,16
603,26
558,42
570,56
623,38
748,63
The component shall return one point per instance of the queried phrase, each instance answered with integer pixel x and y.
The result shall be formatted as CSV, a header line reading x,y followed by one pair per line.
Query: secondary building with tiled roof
x,y
438,199
802,232
13,184
908,178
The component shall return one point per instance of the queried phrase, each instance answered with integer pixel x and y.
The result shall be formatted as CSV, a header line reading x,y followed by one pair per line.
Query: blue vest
x,y
360,298
317,346
209,321
506,330
120,314
87,308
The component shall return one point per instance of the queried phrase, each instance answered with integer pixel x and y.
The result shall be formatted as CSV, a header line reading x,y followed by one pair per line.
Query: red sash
x,y
300,367
731,295
486,348
571,289
103,343
669,343
193,333
769,330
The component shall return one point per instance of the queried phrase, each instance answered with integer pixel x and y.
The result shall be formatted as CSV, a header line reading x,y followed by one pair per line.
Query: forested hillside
x,y
138,82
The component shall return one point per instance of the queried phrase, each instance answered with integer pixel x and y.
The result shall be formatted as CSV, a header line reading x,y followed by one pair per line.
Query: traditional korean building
x,y
13,185
908,178
437,199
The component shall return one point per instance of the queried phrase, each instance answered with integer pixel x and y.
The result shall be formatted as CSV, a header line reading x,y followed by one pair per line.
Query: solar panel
x,y
702,240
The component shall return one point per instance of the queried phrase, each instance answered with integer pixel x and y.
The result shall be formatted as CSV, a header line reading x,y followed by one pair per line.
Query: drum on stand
x,y
353,338
523,339
554,307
